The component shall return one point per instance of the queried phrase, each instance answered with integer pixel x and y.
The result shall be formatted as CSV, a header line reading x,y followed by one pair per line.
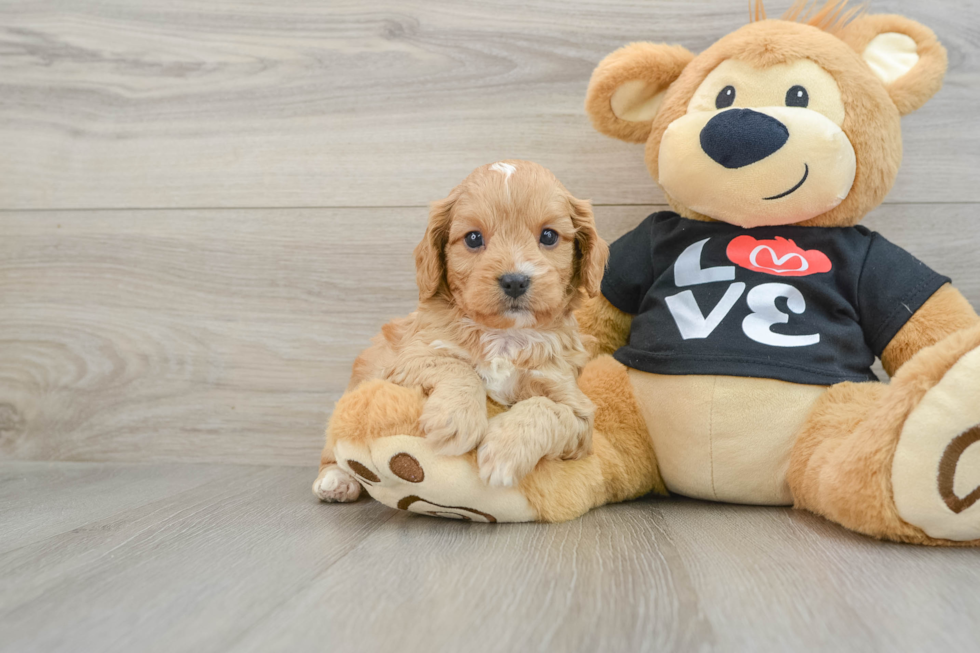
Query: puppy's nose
x,y
514,285
738,137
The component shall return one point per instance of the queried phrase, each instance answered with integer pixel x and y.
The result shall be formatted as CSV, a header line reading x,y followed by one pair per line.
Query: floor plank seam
x,y
347,207
309,582
257,469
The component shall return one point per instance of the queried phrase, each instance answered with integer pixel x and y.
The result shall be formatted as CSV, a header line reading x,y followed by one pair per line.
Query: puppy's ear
x,y
628,87
904,55
430,257
591,251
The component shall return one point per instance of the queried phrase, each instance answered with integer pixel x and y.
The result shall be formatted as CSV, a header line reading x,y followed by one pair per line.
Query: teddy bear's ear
x,y
628,87
906,56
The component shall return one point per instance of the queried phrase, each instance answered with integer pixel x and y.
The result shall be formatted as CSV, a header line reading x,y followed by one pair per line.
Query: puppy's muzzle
x,y
514,285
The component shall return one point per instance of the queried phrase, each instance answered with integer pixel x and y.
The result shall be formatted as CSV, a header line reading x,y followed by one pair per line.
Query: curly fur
x,y
469,341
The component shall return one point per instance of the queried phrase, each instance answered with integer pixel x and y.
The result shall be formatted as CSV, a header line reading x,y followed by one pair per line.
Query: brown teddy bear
x,y
744,323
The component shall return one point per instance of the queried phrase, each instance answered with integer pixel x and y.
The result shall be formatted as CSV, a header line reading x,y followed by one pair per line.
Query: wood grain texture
x,y
187,572
39,500
158,333
226,336
122,103
251,562
653,575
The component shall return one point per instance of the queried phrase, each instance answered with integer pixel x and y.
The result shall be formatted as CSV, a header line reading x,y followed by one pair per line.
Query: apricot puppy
x,y
503,264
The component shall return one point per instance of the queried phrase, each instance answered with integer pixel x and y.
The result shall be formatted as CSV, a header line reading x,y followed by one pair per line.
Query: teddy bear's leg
x,y
899,461
622,466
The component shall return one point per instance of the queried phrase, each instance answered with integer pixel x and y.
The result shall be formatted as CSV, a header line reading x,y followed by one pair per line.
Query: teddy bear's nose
x,y
738,137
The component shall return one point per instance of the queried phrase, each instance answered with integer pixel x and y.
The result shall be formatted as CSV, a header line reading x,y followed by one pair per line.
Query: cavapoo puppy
x,y
504,262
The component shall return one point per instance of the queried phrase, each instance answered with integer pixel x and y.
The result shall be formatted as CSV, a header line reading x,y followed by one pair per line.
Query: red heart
x,y
780,257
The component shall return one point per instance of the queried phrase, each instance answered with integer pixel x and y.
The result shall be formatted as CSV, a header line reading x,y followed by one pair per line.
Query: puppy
x,y
504,262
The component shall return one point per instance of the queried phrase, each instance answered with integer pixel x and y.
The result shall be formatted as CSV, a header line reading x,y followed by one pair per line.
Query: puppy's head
x,y
510,247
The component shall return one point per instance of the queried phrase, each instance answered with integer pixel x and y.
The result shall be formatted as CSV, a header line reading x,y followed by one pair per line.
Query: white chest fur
x,y
510,343
500,348
500,378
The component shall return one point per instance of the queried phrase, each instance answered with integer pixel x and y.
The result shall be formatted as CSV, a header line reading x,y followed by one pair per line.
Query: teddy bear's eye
x,y
725,98
797,97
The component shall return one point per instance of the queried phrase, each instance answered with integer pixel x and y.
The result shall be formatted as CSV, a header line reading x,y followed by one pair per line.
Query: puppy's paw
x,y
334,485
506,456
579,447
454,424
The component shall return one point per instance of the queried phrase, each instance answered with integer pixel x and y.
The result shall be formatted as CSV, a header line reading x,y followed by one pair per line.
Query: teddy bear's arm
x,y
945,313
604,322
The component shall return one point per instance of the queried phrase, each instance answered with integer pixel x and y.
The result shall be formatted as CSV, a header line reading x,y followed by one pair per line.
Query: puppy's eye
x,y
549,237
473,240
797,97
725,98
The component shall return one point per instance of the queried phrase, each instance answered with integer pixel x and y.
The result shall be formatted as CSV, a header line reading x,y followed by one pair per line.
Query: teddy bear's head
x,y
791,121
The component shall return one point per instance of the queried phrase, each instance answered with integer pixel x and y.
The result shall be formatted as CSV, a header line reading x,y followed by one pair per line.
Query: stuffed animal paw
x,y
936,470
376,438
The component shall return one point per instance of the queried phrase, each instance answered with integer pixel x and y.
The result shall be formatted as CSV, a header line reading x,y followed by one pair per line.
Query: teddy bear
x,y
735,333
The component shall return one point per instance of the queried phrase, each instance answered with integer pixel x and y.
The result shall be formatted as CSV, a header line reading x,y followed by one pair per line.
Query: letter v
x,y
691,322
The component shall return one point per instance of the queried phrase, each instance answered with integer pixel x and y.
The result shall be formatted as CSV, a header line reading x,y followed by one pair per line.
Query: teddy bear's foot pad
x,y
936,469
403,472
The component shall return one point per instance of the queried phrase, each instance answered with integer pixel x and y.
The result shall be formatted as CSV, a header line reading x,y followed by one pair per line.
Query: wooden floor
x,y
181,557
207,209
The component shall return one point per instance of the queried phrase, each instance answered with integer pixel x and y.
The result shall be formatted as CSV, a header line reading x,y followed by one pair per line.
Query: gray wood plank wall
x,y
206,209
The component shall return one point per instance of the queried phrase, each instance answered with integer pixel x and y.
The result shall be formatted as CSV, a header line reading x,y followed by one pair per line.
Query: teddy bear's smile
x,y
806,173
746,131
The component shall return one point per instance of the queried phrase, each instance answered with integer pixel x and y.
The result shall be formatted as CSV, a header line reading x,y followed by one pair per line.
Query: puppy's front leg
x,y
532,429
577,441
454,417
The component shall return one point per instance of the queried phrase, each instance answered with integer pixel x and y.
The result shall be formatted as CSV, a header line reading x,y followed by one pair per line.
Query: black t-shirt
x,y
799,304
